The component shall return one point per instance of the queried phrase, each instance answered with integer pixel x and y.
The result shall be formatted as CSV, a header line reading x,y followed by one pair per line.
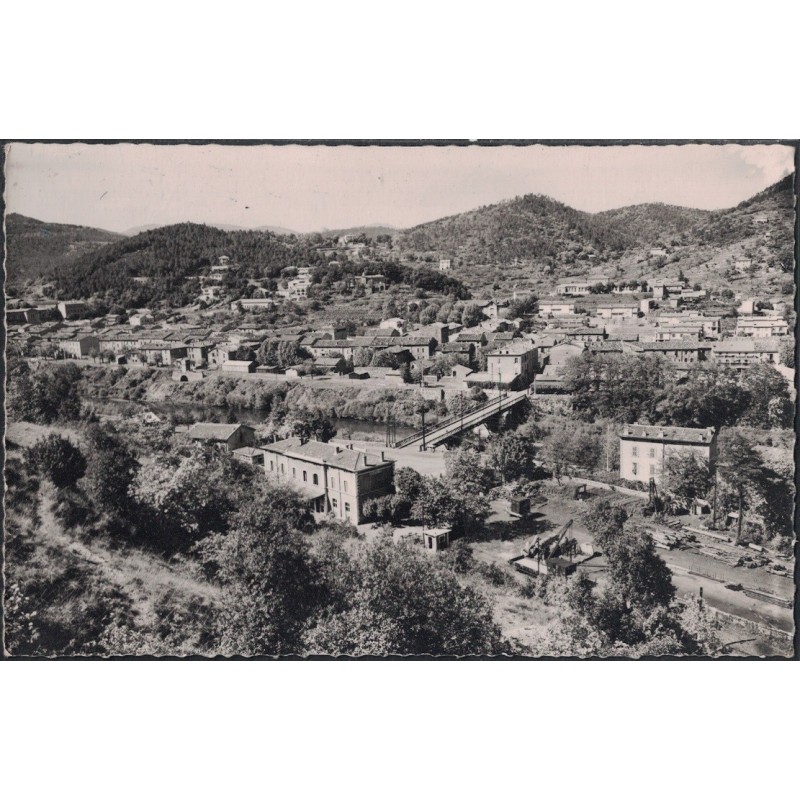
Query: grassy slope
x,y
84,588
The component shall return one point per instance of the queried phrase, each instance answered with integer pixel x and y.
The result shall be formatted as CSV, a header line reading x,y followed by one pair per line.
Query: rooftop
x,y
322,453
215,431
668,434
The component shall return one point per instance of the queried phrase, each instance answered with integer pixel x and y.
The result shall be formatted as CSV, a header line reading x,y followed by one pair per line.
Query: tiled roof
x,y
215,431
677,344
668,434
737,345
320,452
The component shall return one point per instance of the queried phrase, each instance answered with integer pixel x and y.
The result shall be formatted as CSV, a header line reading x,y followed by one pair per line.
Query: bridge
x,y
441,431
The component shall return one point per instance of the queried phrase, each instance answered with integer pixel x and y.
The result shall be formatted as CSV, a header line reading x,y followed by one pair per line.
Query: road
x,y
439,433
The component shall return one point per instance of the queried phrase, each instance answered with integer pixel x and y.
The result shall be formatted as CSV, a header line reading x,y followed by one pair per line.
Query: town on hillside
x,y
573,439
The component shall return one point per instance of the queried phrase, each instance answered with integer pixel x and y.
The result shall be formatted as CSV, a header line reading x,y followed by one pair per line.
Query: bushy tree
x,y
402,602
512,456
111,468
686,478
56,458
269,581
471,315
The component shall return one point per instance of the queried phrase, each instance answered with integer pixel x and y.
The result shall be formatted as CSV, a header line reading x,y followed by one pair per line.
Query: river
x,y
345,428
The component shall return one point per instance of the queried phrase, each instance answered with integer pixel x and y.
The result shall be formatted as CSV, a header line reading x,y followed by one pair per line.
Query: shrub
x,y
56,458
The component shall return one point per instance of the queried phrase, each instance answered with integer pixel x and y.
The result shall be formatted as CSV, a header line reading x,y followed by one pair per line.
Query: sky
x,y
118,187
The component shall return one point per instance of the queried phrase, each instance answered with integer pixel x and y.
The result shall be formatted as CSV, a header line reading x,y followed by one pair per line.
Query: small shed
x,y
436,538
520,506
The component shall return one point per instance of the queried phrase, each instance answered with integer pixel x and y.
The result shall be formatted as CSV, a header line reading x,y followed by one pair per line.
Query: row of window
x,y
635,452
635,469
314,477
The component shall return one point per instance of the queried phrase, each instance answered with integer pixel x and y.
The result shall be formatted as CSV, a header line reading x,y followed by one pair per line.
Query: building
x,y
644,449
574,288
618,311
513,364
253,304
444,265
332,478
228,436
372,283
80,346
420,346
72,310
761,327
680,351
741,353
331,364
559,354
556,308
250,455
232,365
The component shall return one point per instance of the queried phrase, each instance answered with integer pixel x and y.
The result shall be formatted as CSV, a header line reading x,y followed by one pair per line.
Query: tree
x,y
408,483
111,468
686,477
402,602
383,358
471,315
788,351
740,466
605,520
512,456
569,447
464,468
56,458
268,577
362,356
769,401
313,425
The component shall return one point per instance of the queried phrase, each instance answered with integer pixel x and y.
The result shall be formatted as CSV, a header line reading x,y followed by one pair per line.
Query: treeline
x,y
418,277
635,388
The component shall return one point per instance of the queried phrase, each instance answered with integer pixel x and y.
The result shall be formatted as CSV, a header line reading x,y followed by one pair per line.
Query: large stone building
x,y
644,449
333,478
513,364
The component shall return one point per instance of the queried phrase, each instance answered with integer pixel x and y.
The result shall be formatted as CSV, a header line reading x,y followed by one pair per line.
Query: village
x,y
511,354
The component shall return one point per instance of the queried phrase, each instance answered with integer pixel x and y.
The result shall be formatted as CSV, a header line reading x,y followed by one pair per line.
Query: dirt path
x,y
141,576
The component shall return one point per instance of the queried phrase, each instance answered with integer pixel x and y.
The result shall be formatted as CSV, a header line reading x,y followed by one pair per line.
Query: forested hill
x,y
535,227
167,256
36,247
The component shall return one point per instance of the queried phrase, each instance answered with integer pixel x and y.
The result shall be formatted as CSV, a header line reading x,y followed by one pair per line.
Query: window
x,y
272,465
316,480
345,485
347,509
635,468
335,503
305,476
333,481
652,452
283,469
294,472
635,451
652,469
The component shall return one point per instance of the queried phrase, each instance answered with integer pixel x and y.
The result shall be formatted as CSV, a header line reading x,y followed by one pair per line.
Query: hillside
x,y
532,227
534,242
36,247
169,257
